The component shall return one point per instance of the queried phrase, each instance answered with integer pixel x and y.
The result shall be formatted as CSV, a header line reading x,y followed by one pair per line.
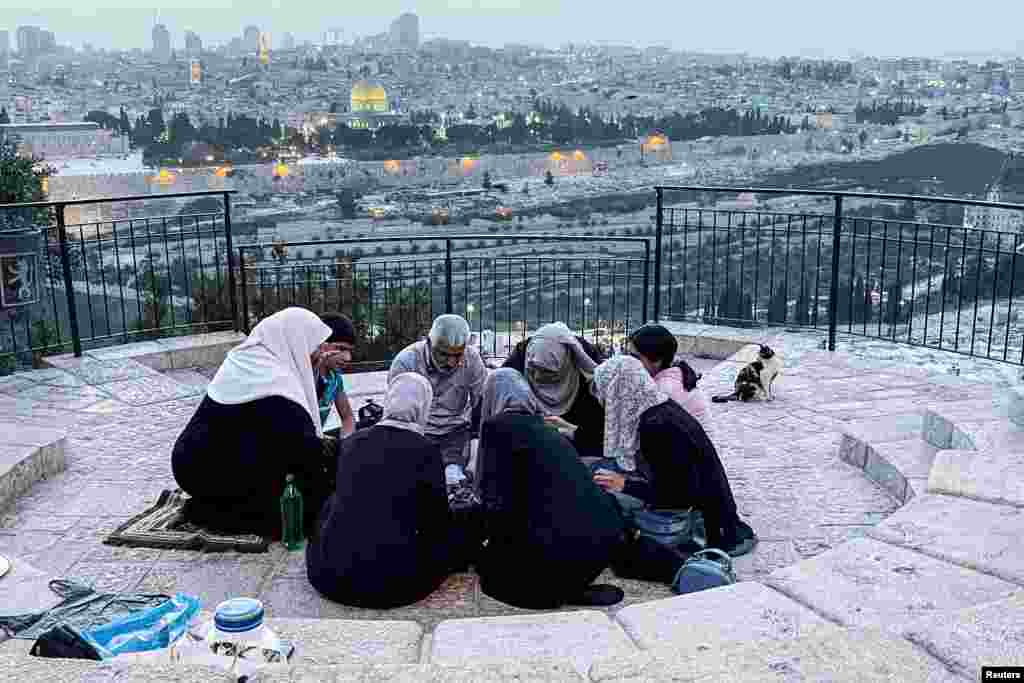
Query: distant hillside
x,y
958,168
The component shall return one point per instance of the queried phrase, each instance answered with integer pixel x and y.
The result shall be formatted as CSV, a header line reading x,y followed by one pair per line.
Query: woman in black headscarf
x,y
551,531
385,537
559,366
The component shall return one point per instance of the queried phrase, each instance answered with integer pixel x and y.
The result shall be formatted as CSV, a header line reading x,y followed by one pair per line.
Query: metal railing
x,y
504,286
116,278
946,287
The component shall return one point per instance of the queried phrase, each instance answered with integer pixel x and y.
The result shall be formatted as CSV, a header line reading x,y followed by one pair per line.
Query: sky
x,y
769,28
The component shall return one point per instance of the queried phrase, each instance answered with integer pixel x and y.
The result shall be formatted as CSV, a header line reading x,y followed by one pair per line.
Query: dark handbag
x,y
673,528
64,642
709,568
370,414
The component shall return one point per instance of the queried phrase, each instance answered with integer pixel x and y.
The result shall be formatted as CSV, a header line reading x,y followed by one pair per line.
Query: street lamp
x,y
469,310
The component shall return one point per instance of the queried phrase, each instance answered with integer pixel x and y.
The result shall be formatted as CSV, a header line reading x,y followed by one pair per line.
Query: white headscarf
x,y
626,390
407,405
274,361
556,349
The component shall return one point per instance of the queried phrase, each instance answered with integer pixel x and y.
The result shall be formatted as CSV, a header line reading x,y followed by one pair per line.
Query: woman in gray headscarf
x,y
559,368
391,490
551,530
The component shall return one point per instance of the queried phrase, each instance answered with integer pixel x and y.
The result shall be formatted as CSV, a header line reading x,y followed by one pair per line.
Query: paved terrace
x,y
888,500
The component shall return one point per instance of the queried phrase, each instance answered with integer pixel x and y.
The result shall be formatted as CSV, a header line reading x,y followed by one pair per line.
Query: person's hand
x,y
332,360
610,481
564,428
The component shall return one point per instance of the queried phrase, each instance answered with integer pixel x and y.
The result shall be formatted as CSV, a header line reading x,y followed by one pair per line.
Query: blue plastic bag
x,y
155,628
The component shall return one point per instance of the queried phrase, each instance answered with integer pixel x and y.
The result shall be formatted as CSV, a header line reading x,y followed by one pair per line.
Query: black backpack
x,y
370,414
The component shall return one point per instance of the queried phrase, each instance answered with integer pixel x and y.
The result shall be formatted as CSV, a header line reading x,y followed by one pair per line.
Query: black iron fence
x,y
504,286
85,273
863,264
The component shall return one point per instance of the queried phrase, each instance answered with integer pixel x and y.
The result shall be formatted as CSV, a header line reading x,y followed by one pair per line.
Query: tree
x,y
4,117
21,180
548,178
487,180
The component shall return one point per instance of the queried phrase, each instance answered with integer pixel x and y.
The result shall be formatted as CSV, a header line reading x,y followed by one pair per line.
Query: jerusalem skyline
x,y
873,28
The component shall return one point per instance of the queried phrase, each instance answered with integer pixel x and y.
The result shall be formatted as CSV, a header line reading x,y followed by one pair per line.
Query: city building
x,y
29,38
5,44
288,42
161,43
405,32
47,42
1007,187
193,44
61,141
251,39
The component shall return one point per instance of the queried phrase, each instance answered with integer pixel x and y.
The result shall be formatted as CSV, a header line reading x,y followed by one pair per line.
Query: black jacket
x,y
382,538
551,530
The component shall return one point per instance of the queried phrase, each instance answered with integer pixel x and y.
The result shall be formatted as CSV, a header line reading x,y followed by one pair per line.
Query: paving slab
x,y
841,655
24,589
740,612
985,635
93,371
549,670
888,428
581,636
994,476
148,390
970,533
865,583
333,642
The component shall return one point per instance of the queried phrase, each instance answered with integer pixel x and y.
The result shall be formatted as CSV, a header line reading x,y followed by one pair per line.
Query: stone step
x,y
898,466
28,454
22,667
867,583
894,427
834,655
996,476
743,611
580,637
966,640
969,533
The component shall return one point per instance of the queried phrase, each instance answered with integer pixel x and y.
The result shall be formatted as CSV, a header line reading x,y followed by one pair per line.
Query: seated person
x,y
457,376
258,422
550,530
384,538
329,364
657,452
656,348
558,367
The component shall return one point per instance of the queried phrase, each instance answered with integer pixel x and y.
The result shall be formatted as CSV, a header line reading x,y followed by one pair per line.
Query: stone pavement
x,y
846,443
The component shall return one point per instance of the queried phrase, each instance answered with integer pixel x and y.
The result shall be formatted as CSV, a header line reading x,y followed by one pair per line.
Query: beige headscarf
x,y
626,389
408,401
556,349
274,360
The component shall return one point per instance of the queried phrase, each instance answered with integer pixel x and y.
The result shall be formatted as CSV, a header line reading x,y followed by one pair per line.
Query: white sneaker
x,y
453,475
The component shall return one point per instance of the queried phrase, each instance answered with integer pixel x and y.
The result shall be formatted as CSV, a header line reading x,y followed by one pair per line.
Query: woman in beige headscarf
x,y
559,367
386,538
259,421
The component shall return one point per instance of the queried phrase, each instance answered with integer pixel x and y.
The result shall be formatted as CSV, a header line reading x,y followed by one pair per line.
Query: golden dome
x,y
367,97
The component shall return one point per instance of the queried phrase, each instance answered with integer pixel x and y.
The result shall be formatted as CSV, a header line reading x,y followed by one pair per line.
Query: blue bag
x,y
709,568
154,628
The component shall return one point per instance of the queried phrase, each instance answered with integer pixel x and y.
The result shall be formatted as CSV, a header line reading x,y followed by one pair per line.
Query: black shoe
x,y
598,595
740,541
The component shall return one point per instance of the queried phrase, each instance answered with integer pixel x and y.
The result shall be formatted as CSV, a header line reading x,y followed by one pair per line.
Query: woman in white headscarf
x,y
259,422
559,367
385,537
657,452
551,531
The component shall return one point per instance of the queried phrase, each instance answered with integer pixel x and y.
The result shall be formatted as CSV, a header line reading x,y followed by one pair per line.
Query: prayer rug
x,y
164,526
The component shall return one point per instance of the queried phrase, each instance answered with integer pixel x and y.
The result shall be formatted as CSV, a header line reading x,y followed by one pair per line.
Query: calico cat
x,y
754,381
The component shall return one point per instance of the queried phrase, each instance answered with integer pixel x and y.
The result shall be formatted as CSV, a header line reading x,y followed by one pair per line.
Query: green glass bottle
x,y
291,515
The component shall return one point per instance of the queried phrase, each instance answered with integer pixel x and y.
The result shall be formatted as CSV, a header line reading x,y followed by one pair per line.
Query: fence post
x,y
245,290
833,294
69,287
659,223
647,281
231,262
448,304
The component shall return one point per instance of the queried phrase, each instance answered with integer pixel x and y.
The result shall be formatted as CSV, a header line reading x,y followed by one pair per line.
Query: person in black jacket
x,y
558,367
657,452
258,422
385,537
550,530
